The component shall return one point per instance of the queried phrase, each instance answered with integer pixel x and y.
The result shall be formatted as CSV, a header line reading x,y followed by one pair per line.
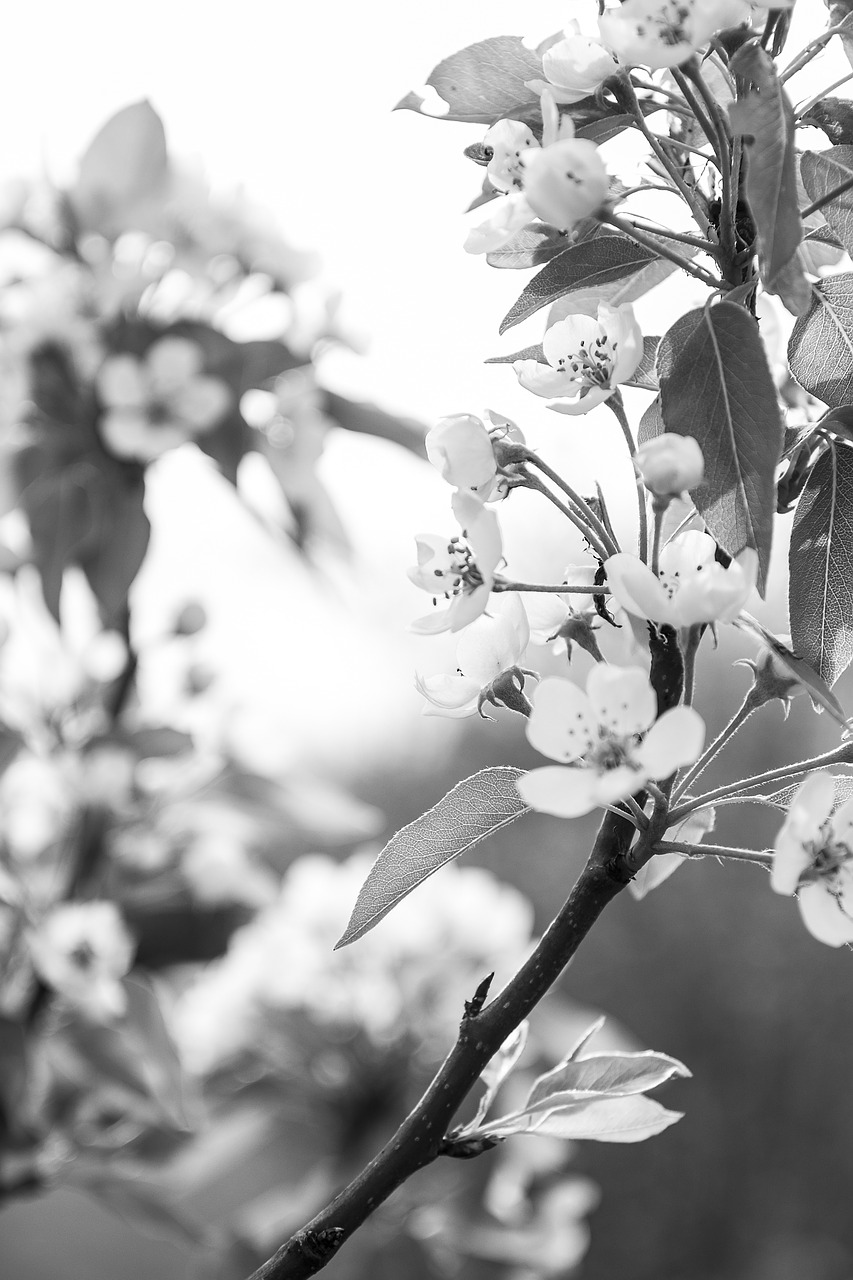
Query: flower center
x,y
460,574
610,752
591,365
669,24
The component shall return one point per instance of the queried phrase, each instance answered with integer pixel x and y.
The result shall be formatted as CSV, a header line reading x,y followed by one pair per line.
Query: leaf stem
x,y
683,237
818,97
421,1137
672,170
598,547
839,755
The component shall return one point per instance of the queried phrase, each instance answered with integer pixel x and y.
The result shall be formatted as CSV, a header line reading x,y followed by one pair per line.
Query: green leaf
x,y
482,83
834,116
615,1074
474,809
526,353
588,266
820,350
125,163
720,390
645,374
651,423
822,172
820,593
118,542
144,1028
617,292
765,117
629,1119
530,247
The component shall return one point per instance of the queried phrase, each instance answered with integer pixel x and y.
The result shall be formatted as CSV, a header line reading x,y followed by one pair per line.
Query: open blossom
x,y
503,144
574,67
587,358
492,644
460,569
691,585
83,950
670,464
565,182
664,33
608,741
156,403
814,859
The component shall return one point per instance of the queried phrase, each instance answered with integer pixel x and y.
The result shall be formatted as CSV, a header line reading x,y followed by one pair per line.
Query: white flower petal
x,y
562,724
621,698
506,216
823,916
808,811
542,380
674,740
121,383
653,873
636,588
590,399
171,363
201,403
617,784
563,792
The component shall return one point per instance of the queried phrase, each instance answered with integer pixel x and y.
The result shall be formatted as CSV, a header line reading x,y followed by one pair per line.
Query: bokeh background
x,y
293,105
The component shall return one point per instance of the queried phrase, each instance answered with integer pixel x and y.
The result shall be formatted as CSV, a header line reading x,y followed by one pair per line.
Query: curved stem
x,y
725,735
763,859
597,546
806,55
690,646
617,408
421,1137
682,237
562,589
641,237
595,523
840,755
672,170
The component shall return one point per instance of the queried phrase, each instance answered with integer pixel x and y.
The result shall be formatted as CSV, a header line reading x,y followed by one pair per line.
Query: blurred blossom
x,y
37,802
407,978
219,870
156,403
83,950
814,858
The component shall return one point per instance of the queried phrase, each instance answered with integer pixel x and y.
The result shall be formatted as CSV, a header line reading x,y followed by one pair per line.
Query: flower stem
x,y
598,547
641,237
617,408
580,503
683,237
839,755
739,718
812,49
763,859
818,97
561,589
420,1139
690,646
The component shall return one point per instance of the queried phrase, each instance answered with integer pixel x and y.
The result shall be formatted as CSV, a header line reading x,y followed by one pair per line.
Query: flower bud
x,y
669,464
461,449
565,182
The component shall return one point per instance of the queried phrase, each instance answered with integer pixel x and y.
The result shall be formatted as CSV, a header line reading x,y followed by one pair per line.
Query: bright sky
x,y
294,102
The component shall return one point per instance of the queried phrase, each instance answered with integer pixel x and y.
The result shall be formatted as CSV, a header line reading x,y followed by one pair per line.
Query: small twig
x,y
764,859
580,503
622,224
592,538
616,406
810,51
501,584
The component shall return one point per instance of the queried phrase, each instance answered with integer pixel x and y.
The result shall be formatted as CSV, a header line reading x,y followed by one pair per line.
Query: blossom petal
x,y
171,363
542,380
121,383
508,215
617,784
594,396
201,403
637,589
563,792
823,916
801,829
562,724
674,740
653,873
622,698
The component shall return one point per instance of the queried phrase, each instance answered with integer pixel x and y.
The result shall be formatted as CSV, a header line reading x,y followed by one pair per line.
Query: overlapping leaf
x,y
820,351
471,811
766,118
822,172
591,265
821,566
483,82
720,390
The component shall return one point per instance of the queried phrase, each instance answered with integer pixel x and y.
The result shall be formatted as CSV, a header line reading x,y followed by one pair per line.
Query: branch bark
x,y
420,1138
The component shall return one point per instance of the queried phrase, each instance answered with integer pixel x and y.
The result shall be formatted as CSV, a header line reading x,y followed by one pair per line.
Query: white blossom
x,y
587,358
83,950
460,448
492,644
574,66
460,569
691,585
814,858
153,404
565,182
664,33
607,739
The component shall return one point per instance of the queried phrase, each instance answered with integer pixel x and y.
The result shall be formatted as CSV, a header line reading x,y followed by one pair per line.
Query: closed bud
x,y
669,464
565,182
